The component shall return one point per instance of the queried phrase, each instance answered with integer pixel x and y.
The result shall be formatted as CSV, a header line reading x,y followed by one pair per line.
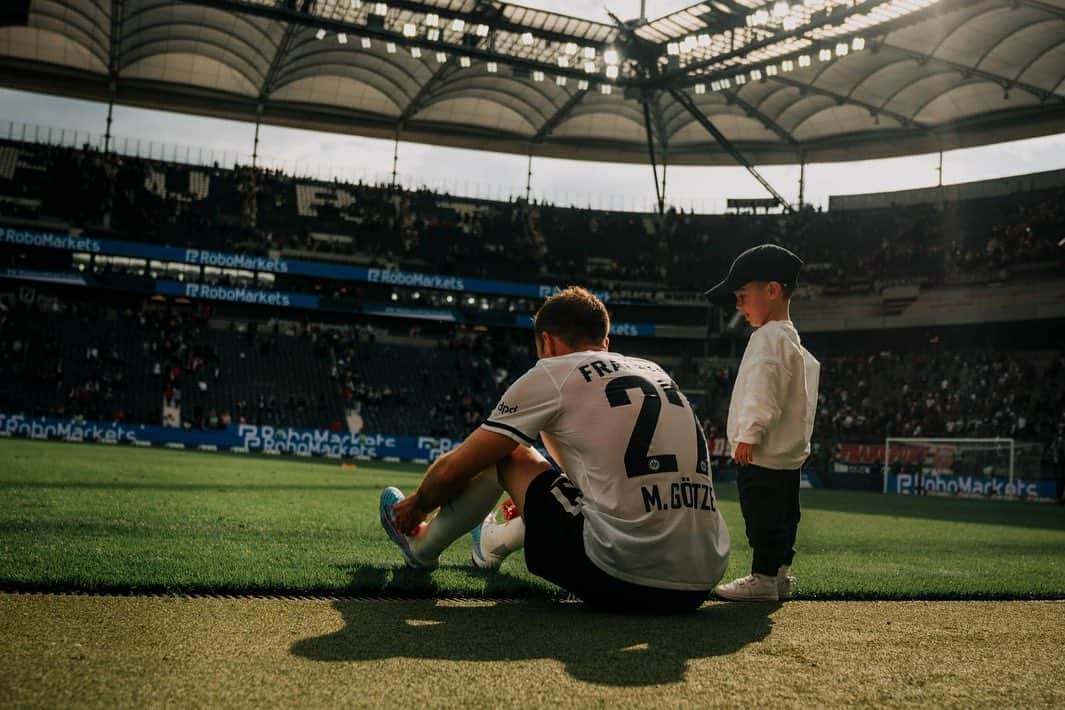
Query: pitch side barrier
x,y
227,260
909,484
862,466
270,440
237,438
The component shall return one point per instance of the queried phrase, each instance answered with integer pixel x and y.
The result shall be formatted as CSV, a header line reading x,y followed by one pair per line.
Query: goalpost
x,y
997,459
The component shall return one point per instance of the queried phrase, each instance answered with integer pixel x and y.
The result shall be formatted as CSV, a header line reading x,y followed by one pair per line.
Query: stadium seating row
x,y
123,364
260,211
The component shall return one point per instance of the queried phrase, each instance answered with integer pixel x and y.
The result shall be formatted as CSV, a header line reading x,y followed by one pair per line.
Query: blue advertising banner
x,y
241,438
287,299
226,260
236,294
909,484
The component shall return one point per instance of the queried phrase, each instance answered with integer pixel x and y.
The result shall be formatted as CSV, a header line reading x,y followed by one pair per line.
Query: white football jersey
x,y
627,437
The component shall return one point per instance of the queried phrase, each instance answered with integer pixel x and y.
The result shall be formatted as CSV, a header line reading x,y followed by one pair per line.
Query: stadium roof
x,y
721,81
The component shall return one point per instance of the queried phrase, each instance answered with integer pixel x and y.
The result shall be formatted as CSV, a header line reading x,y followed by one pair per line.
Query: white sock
x,y
784,571
502,539
459,515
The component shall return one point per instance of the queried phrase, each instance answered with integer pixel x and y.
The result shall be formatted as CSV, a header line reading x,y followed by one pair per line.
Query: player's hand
x,y
408,514
744,454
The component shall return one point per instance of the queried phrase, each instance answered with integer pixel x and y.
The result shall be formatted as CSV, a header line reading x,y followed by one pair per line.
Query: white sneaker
x,y
785,584
752,588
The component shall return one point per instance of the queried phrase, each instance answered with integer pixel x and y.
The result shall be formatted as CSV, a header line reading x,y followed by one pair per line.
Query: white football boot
x,y
494,541
752,588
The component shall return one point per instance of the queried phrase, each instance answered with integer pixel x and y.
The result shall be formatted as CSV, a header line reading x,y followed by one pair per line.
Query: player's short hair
x,y
576,316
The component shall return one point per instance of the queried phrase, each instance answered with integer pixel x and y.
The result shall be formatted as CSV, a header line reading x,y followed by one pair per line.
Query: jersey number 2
x,y
637,460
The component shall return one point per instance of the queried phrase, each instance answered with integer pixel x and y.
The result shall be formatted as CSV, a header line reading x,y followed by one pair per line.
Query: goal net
x,y
984,468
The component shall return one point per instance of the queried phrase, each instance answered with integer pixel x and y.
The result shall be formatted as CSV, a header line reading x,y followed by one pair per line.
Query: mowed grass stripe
x,y
84,517
135,652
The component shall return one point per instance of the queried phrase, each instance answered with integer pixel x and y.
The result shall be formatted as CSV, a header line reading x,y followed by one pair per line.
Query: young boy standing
x,y
770,418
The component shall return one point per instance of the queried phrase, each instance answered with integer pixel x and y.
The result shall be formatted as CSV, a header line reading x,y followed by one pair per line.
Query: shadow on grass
x,y
449,581
594,647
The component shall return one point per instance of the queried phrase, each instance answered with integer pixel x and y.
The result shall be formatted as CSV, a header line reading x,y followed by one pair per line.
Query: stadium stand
x,y
122,364
117,363
236,365
971,241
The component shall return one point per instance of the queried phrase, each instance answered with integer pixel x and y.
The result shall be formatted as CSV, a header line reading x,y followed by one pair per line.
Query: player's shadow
x,y
595,647
403,583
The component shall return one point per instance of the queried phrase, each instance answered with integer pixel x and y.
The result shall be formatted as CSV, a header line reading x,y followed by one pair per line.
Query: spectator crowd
x,y
258,211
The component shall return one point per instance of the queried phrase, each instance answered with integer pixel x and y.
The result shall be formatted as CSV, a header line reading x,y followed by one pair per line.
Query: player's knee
x,y
520,466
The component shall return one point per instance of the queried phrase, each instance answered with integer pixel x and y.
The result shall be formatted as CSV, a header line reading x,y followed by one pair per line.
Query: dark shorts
x,y
554,550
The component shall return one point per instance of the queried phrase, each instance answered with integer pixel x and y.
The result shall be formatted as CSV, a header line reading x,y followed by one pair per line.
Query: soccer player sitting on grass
x,y
631,525
770,417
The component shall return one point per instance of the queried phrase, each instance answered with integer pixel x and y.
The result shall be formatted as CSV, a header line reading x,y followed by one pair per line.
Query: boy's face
x,y
756,300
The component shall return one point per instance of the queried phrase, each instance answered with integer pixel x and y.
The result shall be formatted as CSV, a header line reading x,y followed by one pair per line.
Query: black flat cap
x,y
765,262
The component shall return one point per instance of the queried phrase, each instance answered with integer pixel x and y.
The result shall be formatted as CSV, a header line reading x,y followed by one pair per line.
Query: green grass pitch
x,y
91,517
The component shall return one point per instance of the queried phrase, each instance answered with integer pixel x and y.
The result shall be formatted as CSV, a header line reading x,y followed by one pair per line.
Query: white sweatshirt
x,y
774,399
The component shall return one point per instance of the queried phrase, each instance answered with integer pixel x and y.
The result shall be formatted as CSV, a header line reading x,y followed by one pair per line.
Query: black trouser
x,y
769,499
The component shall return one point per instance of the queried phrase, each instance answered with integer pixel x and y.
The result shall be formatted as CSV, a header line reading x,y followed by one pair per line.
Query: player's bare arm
x,y
449,474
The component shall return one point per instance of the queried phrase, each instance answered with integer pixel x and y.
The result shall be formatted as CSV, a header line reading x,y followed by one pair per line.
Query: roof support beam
x,y
686,101
276,64
278,61
558,116
843,99
426,91
1055,10
114,64
966,71
660,123
424,94
647,99
734,98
